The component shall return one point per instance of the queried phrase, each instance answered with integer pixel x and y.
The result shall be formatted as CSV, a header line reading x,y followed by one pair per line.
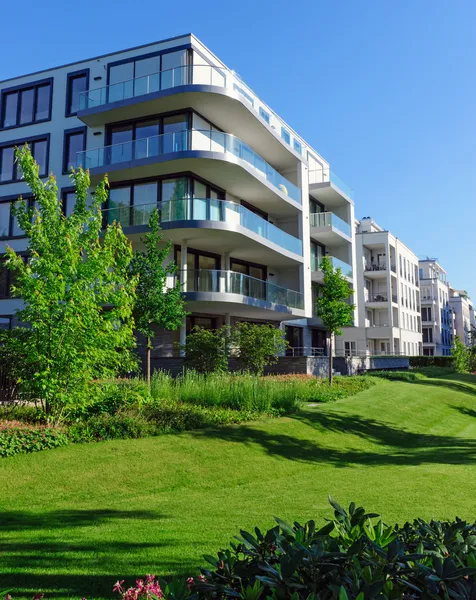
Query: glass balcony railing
x,y
204,209
329,219
180,141
325,175
189,75
336,263
230,282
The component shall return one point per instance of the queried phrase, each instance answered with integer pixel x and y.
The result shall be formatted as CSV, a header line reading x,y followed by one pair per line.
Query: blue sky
x,y
385,90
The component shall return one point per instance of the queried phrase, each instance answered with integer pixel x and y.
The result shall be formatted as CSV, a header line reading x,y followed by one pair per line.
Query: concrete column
x,y
225,266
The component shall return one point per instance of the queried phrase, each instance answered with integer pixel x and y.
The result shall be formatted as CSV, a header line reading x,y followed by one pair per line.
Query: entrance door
x,y
319,342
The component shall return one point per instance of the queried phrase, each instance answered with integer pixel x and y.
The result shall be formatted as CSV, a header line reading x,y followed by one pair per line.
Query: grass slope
x,y
76,519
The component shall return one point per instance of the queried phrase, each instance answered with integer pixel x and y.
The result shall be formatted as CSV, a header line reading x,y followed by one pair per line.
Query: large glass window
x,y
29,104
78,82
74,142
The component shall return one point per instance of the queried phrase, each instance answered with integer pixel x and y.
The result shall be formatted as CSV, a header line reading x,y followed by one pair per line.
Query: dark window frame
x,y
64,191
20,88
66,136
11,200
197,253
8,278
69,77
160,53
20,142
248,264
257,211
10,319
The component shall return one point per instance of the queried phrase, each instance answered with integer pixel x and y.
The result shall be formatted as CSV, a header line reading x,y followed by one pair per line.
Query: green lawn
x,y
76,519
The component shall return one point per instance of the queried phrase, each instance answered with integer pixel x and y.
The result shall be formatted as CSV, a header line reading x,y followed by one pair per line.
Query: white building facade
x,y
464,319
249,206
436,313
387,298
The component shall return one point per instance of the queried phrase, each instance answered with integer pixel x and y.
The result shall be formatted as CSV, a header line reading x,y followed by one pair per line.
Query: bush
x,y
167,416
18,438
431,361
205,350
460,355
26,413
257,346
350,557
104,427
414,375
110,396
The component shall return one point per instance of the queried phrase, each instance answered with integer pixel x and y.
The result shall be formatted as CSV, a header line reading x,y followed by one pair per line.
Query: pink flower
x,y
190,582
118,586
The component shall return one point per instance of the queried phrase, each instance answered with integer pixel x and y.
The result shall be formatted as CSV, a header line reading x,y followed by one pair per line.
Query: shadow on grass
x,y
20,521
451,384
391,445
65,566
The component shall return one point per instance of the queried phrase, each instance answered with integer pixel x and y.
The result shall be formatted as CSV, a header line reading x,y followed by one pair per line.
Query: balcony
x,y
237,167
215,92
324,185
329,229
242,294
377,271
219,222
381,332
318,276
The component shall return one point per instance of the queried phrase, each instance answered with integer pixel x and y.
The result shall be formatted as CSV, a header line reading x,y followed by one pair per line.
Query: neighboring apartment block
x,y
249,206
436,313
388,295
464,319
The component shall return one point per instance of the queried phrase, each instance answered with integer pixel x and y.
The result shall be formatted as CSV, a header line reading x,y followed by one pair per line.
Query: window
x,y
350,348
9,169
5,322
74,142
77,82
7,280
264,115
27,104
294,337
285,135
297,146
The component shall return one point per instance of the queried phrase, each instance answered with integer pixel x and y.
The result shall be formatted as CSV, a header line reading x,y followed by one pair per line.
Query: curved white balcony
x,y
240,294
215,92
215,226
329,229
318,276
241,169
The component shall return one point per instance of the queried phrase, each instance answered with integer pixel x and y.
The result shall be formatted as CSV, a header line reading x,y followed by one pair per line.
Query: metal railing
x,y
336,263
375,267
207,209
181,141
188,75
326,175
305,351
329,219
381,297
231,282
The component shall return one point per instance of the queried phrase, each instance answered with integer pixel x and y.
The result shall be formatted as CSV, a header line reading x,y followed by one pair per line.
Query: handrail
x,y
232,282
326,175
336,263
206,209
204,74
186,140
329,219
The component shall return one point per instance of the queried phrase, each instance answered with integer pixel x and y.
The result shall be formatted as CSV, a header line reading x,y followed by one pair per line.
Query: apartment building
x,y
464,318
436,313
388,295
249,206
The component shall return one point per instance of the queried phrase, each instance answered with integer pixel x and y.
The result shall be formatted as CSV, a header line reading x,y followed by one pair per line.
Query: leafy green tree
x,y
156,304
460,354
257,346
205,350
78,295
332,306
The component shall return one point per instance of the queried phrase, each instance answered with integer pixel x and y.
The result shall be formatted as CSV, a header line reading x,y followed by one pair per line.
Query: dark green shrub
x,y
351,557
25,413
103,427
18,438
110,396
205,350
257,346
431,361
168,416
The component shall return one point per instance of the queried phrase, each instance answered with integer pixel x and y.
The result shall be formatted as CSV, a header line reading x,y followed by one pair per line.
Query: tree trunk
x,y
149,343
331,361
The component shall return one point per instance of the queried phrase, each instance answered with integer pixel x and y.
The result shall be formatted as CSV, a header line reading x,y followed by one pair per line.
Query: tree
x,y
257,346
205,350
460,354
156,304
78,295
332,306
